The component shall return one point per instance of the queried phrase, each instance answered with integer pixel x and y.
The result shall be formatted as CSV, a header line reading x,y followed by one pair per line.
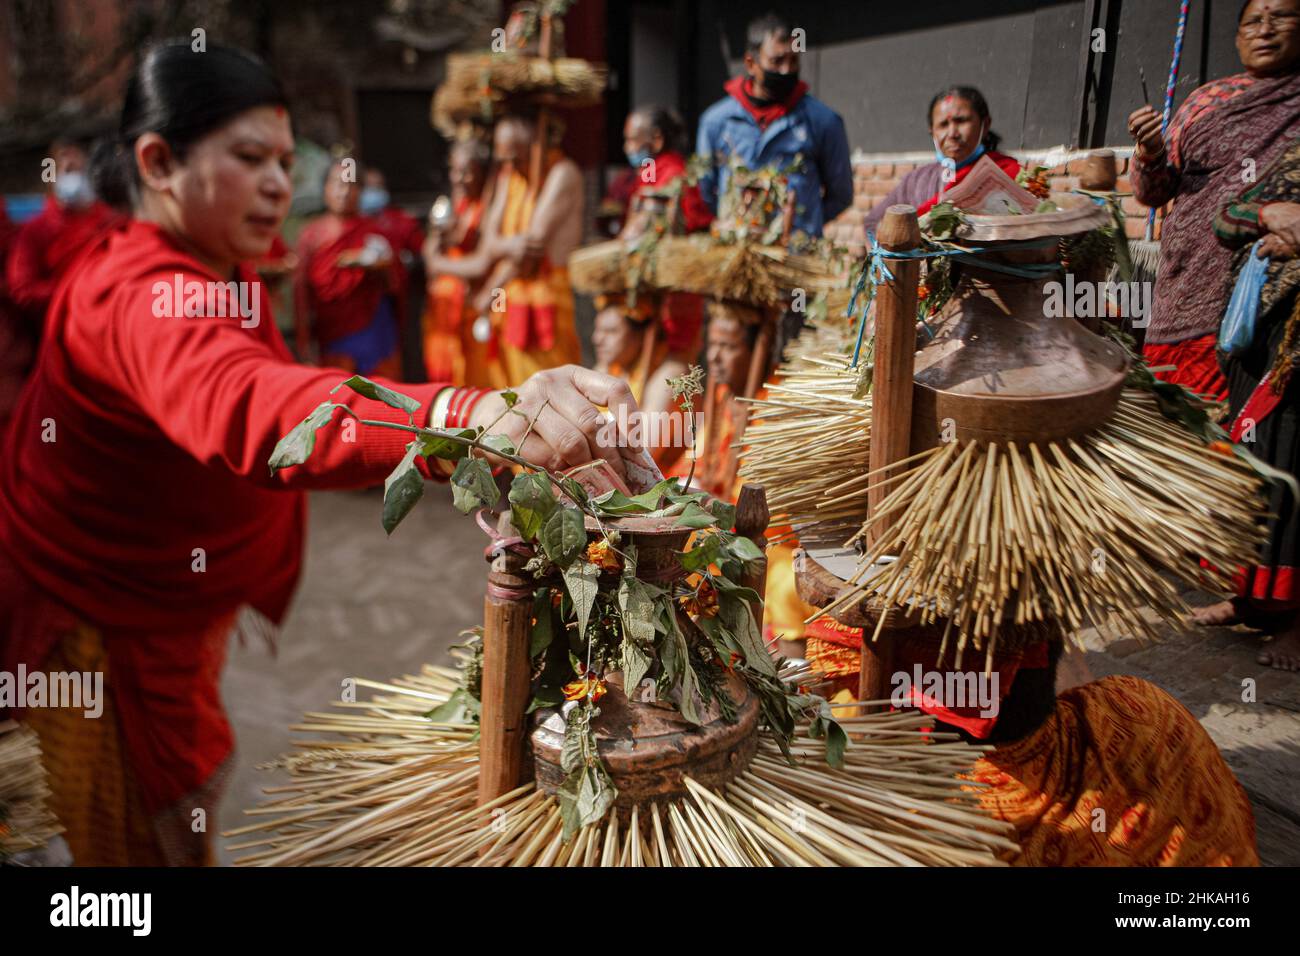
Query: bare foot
x,y
1283,652
1223,614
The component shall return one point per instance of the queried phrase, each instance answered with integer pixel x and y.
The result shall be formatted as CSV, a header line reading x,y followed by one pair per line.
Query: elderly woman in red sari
x,y
137,512
1220,138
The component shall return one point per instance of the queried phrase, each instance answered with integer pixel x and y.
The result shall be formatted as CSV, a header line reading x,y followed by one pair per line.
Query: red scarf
x,y
341,300
741,88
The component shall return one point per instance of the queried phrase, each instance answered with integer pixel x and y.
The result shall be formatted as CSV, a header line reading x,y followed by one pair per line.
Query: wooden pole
x,y
507,623
648,341
537,154
758,362
891,400
752,520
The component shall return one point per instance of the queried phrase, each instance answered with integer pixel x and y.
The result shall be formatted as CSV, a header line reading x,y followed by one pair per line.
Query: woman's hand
x,y
1276,248
1144,127
568,429
1282,219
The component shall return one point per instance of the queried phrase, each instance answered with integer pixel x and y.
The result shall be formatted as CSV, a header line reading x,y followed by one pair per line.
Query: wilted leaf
x,y
363,386
564,536
532,502
445,447
637,611
696,517
472,486
725,512
738,618
297,446
704,553
580,581
542,631
457,709
501,443
742,549
574,490
402,489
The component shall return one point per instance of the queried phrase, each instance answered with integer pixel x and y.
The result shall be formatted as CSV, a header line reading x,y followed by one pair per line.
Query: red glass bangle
x,y
462,405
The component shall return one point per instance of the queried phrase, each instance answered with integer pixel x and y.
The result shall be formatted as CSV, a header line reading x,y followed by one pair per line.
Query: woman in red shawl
x,y
347,283
137,512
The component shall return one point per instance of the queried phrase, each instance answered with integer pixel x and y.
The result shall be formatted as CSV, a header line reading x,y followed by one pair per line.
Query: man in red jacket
x,y
49,243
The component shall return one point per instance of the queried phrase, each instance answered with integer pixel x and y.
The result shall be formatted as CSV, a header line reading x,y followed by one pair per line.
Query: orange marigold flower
x,y
703,603
729,665
603,556
580,688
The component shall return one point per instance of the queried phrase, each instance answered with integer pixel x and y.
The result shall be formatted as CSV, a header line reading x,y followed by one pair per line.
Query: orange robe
x,y
1123,746
784,612
450,350
539,330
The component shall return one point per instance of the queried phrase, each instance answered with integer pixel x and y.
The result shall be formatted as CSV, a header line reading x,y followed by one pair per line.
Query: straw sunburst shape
x,y
389,787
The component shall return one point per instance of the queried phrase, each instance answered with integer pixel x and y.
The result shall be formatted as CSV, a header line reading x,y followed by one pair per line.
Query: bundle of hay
x,y
26,822
478,85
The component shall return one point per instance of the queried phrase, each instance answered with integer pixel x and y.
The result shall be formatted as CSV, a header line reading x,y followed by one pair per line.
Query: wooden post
x,y
758,362
1098,172
648,341
891,399
507,624
752,519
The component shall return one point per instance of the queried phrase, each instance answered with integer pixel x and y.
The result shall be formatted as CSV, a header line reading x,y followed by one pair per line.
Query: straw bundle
x,y
478,84
997,537
599,269
388,787
809,440
26,822
731,272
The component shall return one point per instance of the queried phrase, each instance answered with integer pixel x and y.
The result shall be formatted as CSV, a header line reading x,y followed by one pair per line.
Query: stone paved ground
x,y
376,607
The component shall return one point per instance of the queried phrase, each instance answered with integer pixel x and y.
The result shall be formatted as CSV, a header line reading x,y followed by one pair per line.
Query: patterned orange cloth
x,y
95,791
1123,746
839,664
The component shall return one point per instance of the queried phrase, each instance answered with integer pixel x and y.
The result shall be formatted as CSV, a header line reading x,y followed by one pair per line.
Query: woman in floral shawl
x,y
1264,404
1226,129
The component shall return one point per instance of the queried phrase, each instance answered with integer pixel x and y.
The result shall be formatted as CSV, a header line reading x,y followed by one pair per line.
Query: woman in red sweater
x,y
137,512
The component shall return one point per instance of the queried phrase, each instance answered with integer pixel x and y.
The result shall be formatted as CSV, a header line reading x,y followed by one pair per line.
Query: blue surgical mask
x,y
638,158
73,189
951,164
373,199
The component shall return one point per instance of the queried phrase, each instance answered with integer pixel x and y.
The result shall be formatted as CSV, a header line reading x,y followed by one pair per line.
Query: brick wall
x,y
875,175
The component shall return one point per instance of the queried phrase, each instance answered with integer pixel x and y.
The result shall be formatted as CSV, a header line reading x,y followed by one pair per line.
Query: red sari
x,y
352,312
136,507
46,246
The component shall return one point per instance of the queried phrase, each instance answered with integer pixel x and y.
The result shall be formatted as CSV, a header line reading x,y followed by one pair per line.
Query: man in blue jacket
x,y
768,118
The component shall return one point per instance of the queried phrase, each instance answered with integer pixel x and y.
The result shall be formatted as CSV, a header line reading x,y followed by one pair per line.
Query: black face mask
x,y
779,86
